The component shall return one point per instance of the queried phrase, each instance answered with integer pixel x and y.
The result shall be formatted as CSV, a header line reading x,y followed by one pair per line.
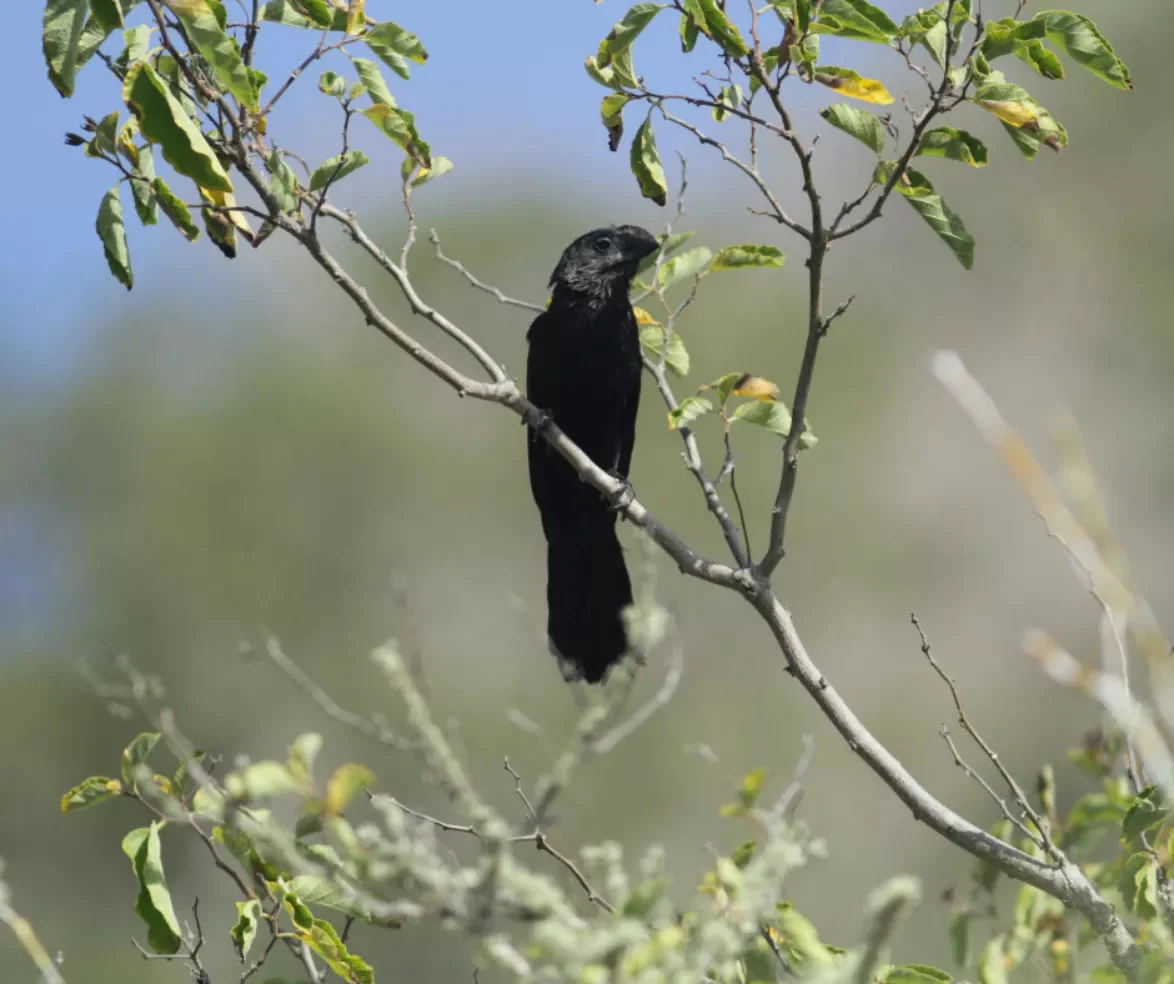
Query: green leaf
x,y
1040,58
400,126
957,145
750,787
622,36
855,19
89,791
859,123
1028,123
611,111
248,915
105,137
684,266
643,898
330,83
261,780
774,417
1144,815
916,189
646,166
803,938
933,36
652,338
107,13
61,36
347,782
336,168
283,182
135,754
142,188
373,81
688,31
692,408
163,121
711,21
744,853
154,902
916,974
302,754
318,14
136,41
991,969
112,232
1079,38
218,49
741,257
724,386
730,97
960,938
395,47
316,890
440,165
675,242
175,209
1001,36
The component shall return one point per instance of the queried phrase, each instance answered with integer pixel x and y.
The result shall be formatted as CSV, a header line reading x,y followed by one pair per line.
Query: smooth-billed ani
x,y
584,370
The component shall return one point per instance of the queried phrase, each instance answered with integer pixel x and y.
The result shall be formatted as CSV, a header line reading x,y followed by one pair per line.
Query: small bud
x,y
89,124
74,140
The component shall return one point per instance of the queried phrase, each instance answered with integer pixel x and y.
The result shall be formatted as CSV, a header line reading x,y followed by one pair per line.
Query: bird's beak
x,y
638,242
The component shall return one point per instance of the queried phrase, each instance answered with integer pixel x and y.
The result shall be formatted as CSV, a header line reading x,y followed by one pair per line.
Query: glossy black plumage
x,y
584,369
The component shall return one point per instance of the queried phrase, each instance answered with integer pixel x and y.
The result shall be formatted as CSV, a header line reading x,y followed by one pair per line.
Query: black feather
x,y
584,370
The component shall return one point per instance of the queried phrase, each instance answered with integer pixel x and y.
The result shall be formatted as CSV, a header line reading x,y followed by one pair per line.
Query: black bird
x,y
584,371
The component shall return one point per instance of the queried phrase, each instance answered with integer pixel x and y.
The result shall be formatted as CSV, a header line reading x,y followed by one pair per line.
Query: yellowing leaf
x,y
643,317
90,791
690,410
354,16
756,387
347,782
849,83
1009,111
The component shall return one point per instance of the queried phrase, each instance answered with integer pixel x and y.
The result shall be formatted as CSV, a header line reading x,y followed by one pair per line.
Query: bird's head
x,y
603,260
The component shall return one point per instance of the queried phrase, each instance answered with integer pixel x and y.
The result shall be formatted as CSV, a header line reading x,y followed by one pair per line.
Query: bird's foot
x,y
538,419
624,496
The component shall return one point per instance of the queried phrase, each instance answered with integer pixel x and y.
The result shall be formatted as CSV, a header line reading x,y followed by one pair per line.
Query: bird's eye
x,y
602,245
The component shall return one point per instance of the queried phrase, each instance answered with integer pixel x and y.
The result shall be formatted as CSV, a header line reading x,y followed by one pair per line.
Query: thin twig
x,y
1043,837
660,699
364,725
496,292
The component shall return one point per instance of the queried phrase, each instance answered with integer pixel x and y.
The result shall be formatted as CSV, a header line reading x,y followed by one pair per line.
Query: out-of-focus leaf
x,y
743,257
89,791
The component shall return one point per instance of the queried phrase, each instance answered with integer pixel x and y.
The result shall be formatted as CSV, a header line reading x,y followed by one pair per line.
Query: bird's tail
x,y
587,588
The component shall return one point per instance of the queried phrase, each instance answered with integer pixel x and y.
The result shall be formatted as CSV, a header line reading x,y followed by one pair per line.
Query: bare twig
x,y
496,292
364,725
661,698
1042,837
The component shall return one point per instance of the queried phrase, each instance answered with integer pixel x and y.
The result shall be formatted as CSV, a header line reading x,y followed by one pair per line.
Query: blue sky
x,y
504,94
